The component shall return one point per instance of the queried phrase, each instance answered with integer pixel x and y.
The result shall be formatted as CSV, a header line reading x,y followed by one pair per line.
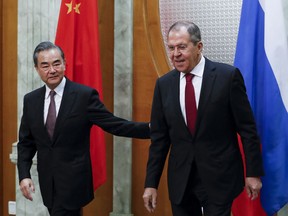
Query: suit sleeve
x,y
26,146
160,138
246,126
100,116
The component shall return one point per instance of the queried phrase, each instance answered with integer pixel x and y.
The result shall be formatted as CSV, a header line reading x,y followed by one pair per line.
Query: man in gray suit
x,y
63,156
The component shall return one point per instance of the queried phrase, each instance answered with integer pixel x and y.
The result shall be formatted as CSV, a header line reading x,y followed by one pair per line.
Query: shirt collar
x,y
198,70
59,89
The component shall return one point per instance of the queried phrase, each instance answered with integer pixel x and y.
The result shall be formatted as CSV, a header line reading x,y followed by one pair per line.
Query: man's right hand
x,y
27,186
150,199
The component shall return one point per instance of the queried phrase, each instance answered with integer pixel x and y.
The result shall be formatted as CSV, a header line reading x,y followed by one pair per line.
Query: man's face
x,y
182,52
50,67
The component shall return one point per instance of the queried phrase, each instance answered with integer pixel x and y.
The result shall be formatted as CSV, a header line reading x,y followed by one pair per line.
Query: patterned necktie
x,y
190,103
51,117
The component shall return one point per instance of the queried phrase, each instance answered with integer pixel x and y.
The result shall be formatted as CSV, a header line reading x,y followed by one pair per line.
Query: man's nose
x,y
176,51
52,69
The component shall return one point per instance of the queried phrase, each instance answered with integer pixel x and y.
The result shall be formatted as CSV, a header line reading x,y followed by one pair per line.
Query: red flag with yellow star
x,y
77,34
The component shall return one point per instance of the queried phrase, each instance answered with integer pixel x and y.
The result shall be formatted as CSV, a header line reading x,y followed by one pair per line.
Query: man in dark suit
x,y
63,157
205,166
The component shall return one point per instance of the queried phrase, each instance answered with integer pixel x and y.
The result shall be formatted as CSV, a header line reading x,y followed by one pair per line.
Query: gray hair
x,y
192,29
46,45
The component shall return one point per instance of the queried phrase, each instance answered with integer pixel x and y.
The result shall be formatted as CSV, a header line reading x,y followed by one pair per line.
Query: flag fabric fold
x,y
262,55
243,205
77,34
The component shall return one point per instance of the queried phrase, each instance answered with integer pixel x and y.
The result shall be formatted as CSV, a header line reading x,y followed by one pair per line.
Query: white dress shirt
x,y
58,98
198,71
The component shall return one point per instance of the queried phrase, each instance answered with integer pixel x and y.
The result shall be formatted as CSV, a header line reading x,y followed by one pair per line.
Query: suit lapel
x,y
39,109
206,89
175,87
68,99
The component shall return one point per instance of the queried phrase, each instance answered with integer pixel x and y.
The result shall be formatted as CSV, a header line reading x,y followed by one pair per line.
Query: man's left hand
x,y
253,186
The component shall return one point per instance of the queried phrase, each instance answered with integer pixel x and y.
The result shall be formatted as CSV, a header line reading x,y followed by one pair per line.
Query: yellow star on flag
x,y
69,5
76,8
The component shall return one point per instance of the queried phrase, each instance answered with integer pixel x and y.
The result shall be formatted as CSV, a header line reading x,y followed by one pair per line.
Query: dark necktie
x,y
51,117
190,103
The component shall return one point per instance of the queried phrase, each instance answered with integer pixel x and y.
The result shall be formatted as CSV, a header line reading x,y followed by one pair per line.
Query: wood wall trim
x,y
9,99
149,62
1,109
154,36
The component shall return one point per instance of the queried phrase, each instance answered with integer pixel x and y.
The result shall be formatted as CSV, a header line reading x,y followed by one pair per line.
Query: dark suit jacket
x,y
223,111
65,161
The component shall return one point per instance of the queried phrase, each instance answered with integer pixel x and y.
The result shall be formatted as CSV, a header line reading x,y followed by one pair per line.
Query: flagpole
x,y
123,54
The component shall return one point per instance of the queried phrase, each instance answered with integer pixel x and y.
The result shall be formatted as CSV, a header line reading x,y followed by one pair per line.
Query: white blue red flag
x,y
262,57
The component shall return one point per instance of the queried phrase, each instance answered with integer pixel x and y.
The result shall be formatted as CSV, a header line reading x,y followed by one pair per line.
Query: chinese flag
x,y
243,205
77,35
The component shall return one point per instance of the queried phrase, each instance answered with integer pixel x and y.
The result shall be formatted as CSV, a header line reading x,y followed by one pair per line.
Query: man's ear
x,y
200,46
64,63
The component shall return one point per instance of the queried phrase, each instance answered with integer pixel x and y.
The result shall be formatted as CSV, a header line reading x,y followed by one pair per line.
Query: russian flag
x,y
262,57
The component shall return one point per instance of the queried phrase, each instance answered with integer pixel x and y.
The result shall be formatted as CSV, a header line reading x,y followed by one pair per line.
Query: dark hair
x,y
46,45
192,29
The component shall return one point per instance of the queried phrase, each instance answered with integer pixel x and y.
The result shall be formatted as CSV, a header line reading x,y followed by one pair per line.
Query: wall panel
x,y
8,100
1,108
149,62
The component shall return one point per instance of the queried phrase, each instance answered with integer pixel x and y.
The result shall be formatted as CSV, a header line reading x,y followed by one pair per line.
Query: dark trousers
x,y
58,209
196,198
